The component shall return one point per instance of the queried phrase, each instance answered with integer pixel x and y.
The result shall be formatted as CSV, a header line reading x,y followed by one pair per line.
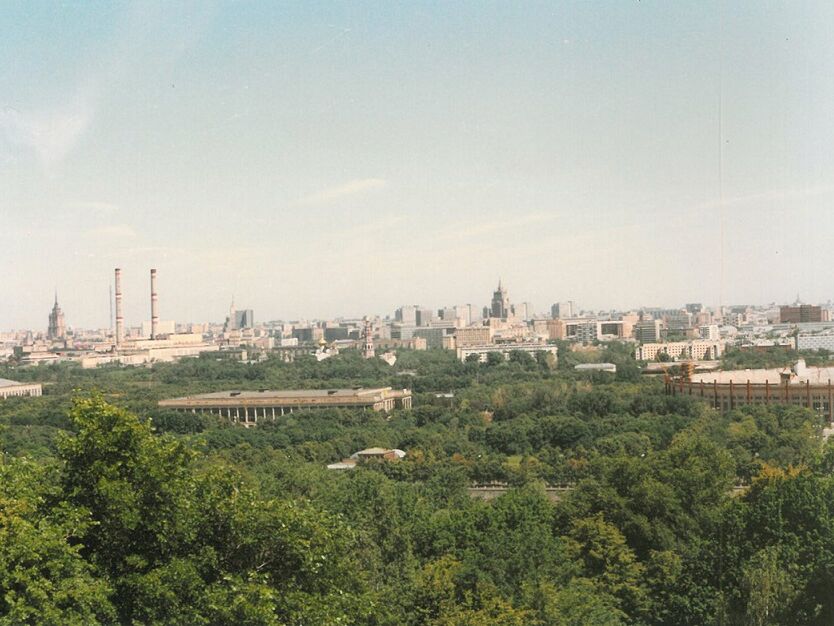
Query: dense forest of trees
x,y
115,512
739,359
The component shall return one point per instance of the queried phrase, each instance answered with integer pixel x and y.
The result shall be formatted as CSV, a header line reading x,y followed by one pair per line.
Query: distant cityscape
x,y
691,332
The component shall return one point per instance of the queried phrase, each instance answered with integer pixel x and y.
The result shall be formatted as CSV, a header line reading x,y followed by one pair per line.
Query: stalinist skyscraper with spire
x,y
57,330
500,302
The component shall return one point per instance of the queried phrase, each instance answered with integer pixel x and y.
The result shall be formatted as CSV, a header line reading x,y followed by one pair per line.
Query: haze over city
x,y
417,313
314,160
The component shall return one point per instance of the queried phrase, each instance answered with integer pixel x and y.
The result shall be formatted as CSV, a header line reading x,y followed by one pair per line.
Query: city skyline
x,y
317,160
140,320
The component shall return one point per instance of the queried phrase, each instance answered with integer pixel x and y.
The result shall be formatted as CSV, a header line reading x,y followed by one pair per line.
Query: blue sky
x,y
318,159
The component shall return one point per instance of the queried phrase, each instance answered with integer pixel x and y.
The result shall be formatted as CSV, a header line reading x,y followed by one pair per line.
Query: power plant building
x,y
161,342
163,328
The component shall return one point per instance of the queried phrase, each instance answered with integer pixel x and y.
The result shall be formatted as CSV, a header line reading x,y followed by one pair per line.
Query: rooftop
x,y
290,393
358,396
800,374
605,367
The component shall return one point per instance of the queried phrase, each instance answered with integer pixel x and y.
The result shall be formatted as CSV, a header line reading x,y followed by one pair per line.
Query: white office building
x,y
697,350
505,349
815,342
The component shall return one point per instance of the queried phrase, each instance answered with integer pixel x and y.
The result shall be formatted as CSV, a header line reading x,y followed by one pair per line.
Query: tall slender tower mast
x,y
154,306
120,320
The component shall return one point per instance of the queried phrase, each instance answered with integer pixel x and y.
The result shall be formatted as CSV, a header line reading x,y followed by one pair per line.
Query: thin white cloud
x,y
112,231
49,134
756,199
479,229
372,227
349,188
92,206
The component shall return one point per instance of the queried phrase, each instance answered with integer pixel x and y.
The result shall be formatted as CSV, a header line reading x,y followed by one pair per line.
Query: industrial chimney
x,y
154,306
120,320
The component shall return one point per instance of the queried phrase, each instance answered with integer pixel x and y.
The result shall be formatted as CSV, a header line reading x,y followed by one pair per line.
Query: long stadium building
x,y
250,407
12,389
809,387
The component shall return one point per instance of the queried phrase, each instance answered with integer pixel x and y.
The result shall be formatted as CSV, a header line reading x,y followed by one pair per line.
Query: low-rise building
x,y
697,350
159,354
611,368
415,343
368,454
435,336
815,342
473,336
505,349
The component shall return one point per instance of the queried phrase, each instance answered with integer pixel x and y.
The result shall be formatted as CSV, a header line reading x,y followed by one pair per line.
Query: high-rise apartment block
x,y
407,315
647,331
800,314
424,317
563,310
448,314
244,318
523,311
678,322
465,314
710,332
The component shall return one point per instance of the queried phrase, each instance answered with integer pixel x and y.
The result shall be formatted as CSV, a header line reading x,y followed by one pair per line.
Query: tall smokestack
x,y
120,320
154,306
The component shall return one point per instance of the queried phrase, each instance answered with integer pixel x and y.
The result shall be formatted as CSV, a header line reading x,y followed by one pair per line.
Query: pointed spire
x,y
56,296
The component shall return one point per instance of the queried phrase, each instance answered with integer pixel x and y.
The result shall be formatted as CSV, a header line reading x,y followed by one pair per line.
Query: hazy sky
x,y
319,159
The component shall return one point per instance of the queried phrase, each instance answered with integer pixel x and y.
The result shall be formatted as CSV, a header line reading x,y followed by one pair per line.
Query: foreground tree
x,y
179,543
43,577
